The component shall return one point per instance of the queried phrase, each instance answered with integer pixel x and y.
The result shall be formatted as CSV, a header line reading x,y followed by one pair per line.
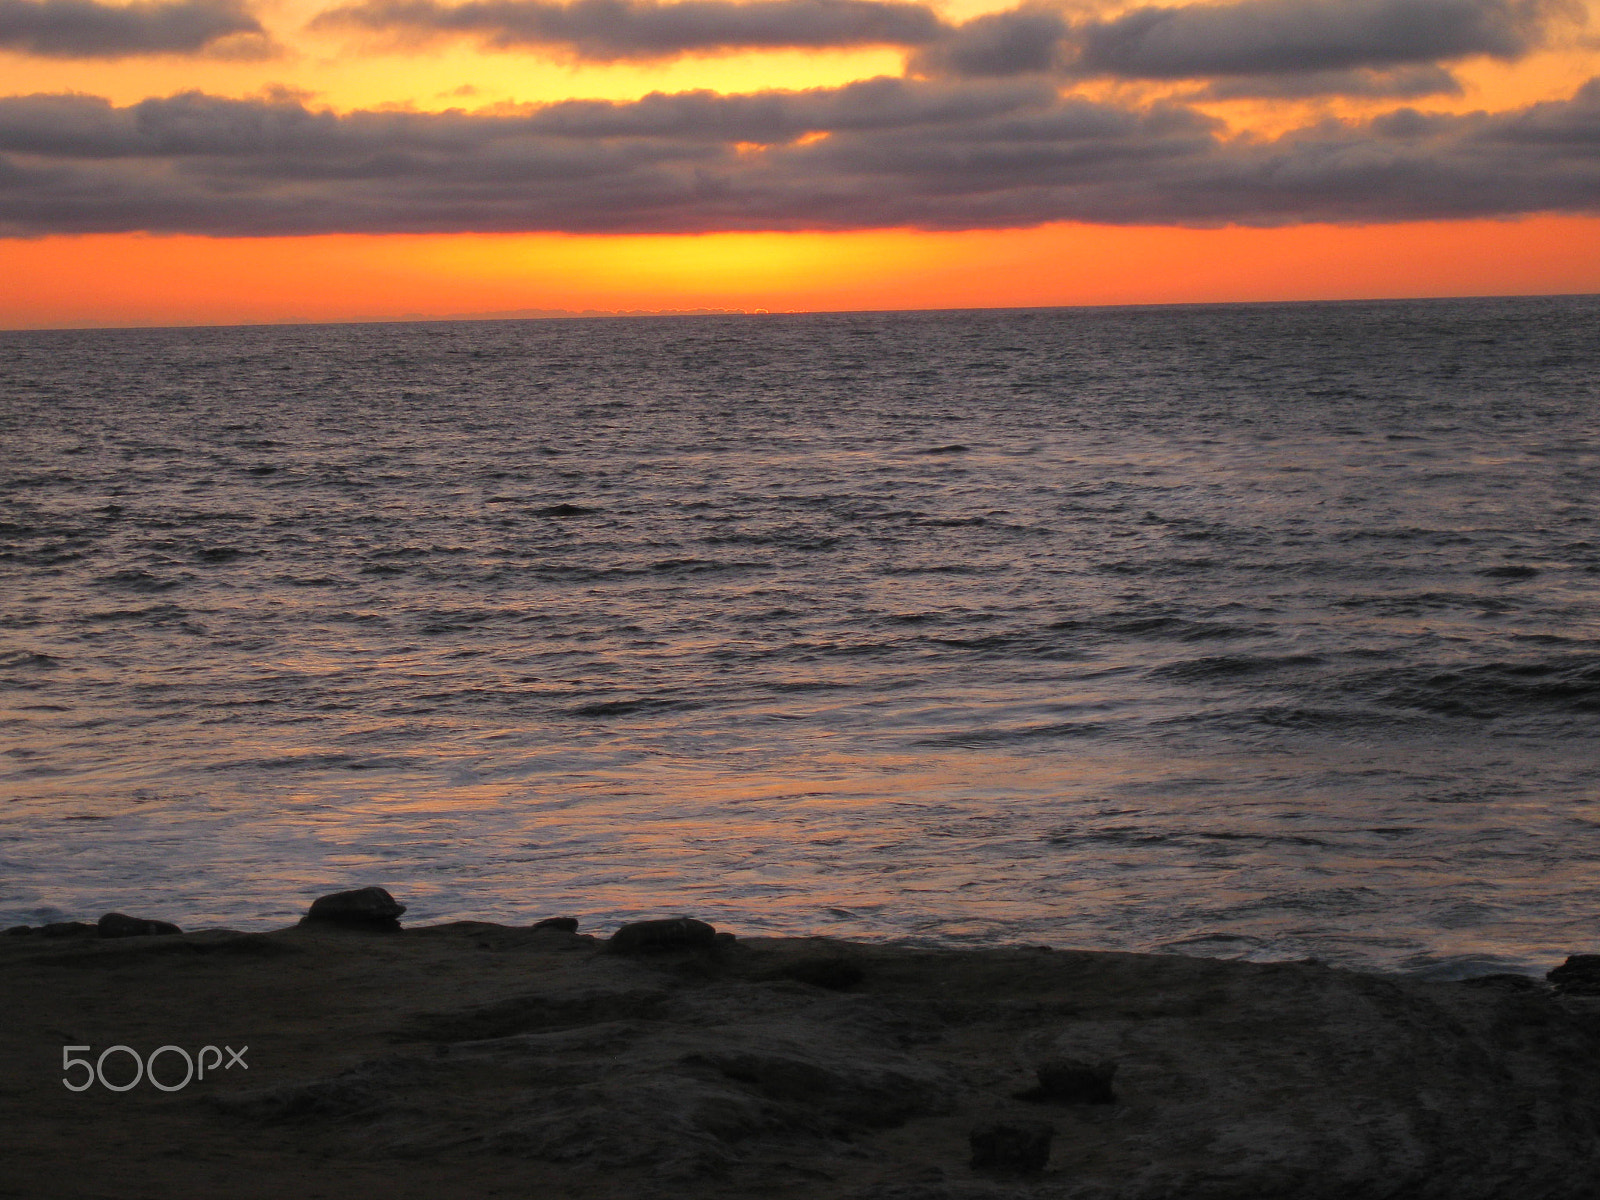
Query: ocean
x,y
1258,631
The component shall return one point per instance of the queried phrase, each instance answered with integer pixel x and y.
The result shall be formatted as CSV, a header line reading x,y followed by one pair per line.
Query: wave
x,y
154,614
1568,684
1234,666
29,660
137,581
1012,735
320,762
1164,626
628,708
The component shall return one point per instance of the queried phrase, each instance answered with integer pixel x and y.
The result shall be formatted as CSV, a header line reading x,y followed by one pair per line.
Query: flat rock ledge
x,y
473,1059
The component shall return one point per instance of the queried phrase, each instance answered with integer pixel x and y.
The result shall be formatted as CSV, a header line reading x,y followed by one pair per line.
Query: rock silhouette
x,y
116,925
650,937
359,908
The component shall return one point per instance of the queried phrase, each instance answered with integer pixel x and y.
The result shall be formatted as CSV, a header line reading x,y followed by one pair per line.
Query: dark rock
x,y
1578,976
117,925
565,924
67,929
676,1082
1504,981
361,908
244,945
816,1087
1011,1149
674,933
563,510
19,931
534,1014
1069,1081
834,972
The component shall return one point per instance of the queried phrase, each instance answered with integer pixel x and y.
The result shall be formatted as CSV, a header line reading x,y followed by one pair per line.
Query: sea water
x,y
1256,631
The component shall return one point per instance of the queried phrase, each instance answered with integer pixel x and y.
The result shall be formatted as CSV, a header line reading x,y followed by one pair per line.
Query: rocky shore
x,y
675,1060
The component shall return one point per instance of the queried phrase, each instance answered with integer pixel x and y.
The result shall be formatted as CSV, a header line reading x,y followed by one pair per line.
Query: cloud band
x,y
881,153
89,29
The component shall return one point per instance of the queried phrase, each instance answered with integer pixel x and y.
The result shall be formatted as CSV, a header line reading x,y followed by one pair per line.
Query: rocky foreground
x,y
476,1060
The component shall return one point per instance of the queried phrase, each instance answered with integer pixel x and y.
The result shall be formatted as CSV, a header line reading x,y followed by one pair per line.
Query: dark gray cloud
x,y
898,152
612,30
89,29
1254,37
194,125
1323,41
1404,83
1014,42
1255,48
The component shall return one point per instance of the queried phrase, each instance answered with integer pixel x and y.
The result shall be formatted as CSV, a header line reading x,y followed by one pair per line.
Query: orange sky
x,y
135,278
143,280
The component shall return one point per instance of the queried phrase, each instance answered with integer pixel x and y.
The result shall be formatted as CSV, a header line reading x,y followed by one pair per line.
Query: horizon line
x,y
593,314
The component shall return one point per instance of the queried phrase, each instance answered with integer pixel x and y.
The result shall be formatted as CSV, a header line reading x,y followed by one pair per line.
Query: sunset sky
x,y
226,161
